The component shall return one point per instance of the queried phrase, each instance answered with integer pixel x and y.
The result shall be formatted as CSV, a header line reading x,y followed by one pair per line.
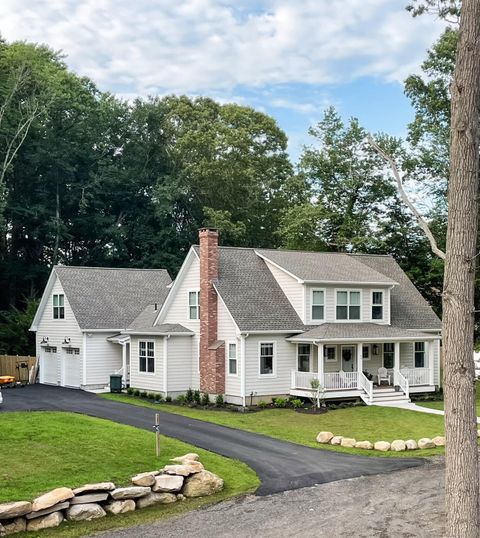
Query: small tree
x,y
318,393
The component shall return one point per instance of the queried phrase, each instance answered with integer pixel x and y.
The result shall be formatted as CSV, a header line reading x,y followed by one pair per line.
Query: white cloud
x,y
200,46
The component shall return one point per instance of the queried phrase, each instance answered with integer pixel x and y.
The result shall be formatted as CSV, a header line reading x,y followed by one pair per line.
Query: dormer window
x,y
58,306
377,305
318,305
194,305
348,305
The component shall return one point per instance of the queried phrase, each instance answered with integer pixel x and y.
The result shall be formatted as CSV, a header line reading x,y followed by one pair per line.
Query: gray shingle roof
x,y
104,298
339,331
144,322
325,266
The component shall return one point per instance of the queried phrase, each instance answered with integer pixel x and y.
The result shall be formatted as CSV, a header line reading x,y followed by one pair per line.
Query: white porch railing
x,y
417,376
400,380
341,380
365,384
302,380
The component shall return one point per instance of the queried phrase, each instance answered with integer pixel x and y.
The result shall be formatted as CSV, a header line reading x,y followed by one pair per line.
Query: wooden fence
x,y
8,366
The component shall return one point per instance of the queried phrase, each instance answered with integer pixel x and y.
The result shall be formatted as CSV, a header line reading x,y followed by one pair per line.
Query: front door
x,y
348,359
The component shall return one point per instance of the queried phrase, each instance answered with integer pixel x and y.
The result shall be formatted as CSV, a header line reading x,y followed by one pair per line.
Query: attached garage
x,y
72,367
50,369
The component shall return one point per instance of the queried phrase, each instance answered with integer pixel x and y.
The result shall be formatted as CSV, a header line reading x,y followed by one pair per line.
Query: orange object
x,y
6,379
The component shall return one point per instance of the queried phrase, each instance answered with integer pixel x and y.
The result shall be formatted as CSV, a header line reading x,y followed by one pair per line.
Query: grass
x,y
362,423
43,450
440,403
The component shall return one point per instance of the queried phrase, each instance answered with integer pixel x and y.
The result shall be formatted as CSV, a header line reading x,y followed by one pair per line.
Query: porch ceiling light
x,y
66,340
45,340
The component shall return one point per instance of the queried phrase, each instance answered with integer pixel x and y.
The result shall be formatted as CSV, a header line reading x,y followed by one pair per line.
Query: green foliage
x,y
262,404
189,395
219,401
136,393
15,337
130,391
143,394
181,399
168,399
197,398
296,403
205,400
280,402
152,396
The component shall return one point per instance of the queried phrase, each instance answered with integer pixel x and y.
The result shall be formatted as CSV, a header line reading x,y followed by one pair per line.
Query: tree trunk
x,y
462,481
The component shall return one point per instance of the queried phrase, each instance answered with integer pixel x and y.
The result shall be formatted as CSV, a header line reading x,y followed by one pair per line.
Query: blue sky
x,y
289,58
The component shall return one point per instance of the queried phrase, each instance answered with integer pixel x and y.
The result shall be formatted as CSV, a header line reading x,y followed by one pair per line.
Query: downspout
x,y
243,376
165,369
84,360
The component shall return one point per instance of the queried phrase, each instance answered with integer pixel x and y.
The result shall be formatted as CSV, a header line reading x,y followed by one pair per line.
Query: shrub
x,y
181,399
280,402
158,398
143,394
197,397
262,404
219,401
151,396
205,399
168,399
130,390
296,403
136,393
189,395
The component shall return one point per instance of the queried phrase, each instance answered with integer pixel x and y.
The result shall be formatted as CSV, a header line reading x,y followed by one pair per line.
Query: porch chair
x,y
383,375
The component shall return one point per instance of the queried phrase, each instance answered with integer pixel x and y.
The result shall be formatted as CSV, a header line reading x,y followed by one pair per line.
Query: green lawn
x,y
440,404
43,450
363,423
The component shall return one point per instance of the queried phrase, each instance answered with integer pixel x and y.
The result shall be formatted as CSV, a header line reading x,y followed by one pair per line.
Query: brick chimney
x,y
212,354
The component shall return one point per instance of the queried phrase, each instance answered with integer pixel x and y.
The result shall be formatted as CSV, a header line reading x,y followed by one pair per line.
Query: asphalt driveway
x,y
281,465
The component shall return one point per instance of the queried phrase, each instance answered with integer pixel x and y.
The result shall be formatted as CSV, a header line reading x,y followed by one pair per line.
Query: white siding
x,y
103,358
227,331
179,363
143,380
293,289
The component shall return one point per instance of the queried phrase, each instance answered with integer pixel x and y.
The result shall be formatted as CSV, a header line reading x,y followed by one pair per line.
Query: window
x,y
72,351
303,357
419,354
348,305
193,305
267,358
366,352
58,306
377,305
232,359
146,357
318,305
50,349
388,355
330,353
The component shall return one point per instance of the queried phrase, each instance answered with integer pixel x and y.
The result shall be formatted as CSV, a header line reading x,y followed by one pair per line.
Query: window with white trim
x,y
72,351
58,306
267,358
232,358
330,353
194,305
318,305
377,305
388,355
304,352
348,305
366,352
146,356
50,349
419,354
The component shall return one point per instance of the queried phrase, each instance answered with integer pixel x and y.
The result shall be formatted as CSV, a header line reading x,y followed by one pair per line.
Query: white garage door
x,y
50,366
72,365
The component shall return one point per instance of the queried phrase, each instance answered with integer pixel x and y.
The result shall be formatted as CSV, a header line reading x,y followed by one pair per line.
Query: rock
x,y
201,484
383,446
45,522
85,512
425,442
348,442
90,498
145,479
191,456
439,440
181,497
120,507
168,483
19,524
2,530
398,445
185,469
14,509
336,440
101,486
133,492
478,433
366,445
156,498
411,444
54,508
324,437
58,495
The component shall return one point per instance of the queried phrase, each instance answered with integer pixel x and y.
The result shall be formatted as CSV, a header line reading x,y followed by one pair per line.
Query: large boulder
x,y
398,445
19,524
191,456
336,440
168,483
382,446
14,509
85,512
54,508
425,442
324,437
100,486
145,479
133,492
58,495
202,484
156,498
2,530
366,445
90,498
45,522
439,440
411,444
185,469
348,442
120,507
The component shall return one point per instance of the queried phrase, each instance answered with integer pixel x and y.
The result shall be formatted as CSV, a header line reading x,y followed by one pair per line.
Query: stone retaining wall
x,y
185,478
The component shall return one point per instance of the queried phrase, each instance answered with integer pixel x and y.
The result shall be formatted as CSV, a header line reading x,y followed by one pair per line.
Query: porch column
x,y
359,361
124,363
396,356
429,351
320,364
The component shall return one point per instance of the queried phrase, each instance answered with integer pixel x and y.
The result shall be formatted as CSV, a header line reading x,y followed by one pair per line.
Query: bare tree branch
x,y
404,196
